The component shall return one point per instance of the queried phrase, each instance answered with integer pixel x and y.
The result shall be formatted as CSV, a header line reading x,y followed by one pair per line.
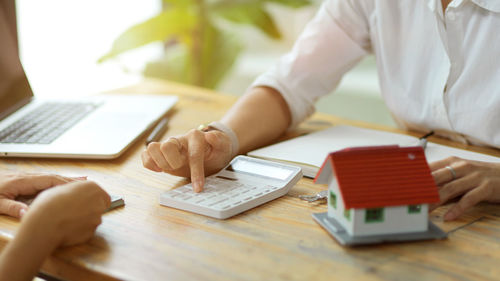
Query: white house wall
x,y
338,213
396,220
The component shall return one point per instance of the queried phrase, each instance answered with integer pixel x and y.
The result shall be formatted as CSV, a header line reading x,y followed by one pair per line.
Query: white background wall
x,y
62,40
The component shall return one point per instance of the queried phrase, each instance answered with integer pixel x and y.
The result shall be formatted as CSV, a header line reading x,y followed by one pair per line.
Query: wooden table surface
x,y
276,241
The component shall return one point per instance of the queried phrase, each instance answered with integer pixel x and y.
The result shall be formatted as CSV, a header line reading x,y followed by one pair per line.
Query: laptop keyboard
x,y
46,123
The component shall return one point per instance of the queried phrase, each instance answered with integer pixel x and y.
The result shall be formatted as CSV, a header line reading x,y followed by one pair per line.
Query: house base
x,y
338,232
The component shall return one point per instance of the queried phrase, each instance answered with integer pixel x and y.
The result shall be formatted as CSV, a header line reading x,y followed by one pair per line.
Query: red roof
x,y
379,176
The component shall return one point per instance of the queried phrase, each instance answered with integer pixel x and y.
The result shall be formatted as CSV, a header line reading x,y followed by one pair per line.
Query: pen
x,y
159,129
423,140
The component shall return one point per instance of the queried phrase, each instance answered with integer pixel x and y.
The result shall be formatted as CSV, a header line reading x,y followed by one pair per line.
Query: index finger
x,y
107,200
196,154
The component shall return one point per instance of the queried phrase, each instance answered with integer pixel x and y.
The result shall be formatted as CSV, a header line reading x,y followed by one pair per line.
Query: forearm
x,y
258,118
23,256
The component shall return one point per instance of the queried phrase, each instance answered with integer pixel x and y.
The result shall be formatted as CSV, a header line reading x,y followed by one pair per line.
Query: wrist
x,y
216,125
23,256
41,230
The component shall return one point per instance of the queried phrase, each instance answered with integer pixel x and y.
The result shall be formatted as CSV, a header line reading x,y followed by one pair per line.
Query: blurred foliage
x,y
197,50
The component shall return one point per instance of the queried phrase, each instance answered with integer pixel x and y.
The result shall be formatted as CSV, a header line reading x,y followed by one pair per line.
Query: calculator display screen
x,y
260,169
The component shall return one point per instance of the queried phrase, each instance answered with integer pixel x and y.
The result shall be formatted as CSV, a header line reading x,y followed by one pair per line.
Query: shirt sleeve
x,y
331,44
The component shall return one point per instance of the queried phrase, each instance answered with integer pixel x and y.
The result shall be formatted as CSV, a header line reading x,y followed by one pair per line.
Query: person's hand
x,y
61,216
193,155
69,213
475,181
13,185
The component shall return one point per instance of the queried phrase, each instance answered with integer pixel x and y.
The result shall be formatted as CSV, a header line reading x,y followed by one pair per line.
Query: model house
x,y
379,190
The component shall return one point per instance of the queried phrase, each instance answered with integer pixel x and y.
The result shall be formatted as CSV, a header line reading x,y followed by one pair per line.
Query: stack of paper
x,y
310,151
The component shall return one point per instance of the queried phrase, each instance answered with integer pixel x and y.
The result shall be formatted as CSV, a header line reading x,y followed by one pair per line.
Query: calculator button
x,y
210,196
211,181
182,196
174,194
232,193
217,202
184,189
222,192
192,199
210,203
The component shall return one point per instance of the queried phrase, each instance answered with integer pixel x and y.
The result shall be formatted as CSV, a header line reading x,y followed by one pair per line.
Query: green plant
x,y
198,50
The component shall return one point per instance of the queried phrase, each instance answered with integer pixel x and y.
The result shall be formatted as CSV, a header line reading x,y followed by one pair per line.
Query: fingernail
x,y
22,212
81,178
198,186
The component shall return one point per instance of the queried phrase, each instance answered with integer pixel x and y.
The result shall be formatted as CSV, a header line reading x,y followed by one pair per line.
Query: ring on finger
x,y
453,172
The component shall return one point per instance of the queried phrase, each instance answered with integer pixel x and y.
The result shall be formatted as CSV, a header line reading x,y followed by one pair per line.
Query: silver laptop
x,y
98,127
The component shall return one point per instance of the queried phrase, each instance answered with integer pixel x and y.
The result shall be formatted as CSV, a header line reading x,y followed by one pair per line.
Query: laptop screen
x,y
15,90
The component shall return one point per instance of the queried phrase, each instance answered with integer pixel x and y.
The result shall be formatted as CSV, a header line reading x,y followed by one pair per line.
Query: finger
x,y
87,190
148,162
468,200
173,151
12,208
155,153
92,188
33,183
106,199
442,176
458,187
196,155
440,164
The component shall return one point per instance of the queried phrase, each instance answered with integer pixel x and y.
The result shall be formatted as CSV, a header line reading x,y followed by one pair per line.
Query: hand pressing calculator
x,y
243,184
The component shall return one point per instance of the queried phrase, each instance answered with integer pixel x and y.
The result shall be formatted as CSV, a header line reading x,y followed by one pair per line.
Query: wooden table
x,y
276,241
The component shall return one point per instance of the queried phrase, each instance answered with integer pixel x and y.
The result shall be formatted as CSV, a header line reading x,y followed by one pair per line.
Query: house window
x,y
374,215
414,209
347,214
333,200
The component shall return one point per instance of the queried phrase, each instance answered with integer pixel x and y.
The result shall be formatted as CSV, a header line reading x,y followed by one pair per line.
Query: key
x,y
313,198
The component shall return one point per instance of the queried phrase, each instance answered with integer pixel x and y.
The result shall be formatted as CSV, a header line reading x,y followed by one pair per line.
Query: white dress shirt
x,y
437,72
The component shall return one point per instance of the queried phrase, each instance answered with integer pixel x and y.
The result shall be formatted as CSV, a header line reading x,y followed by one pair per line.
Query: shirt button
x,y
451,16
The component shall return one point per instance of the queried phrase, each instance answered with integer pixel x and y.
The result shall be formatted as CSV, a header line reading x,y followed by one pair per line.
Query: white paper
x,y
313,148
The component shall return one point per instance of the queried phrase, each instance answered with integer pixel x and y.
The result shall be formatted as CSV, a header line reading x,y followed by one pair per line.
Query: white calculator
x,y
243,184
